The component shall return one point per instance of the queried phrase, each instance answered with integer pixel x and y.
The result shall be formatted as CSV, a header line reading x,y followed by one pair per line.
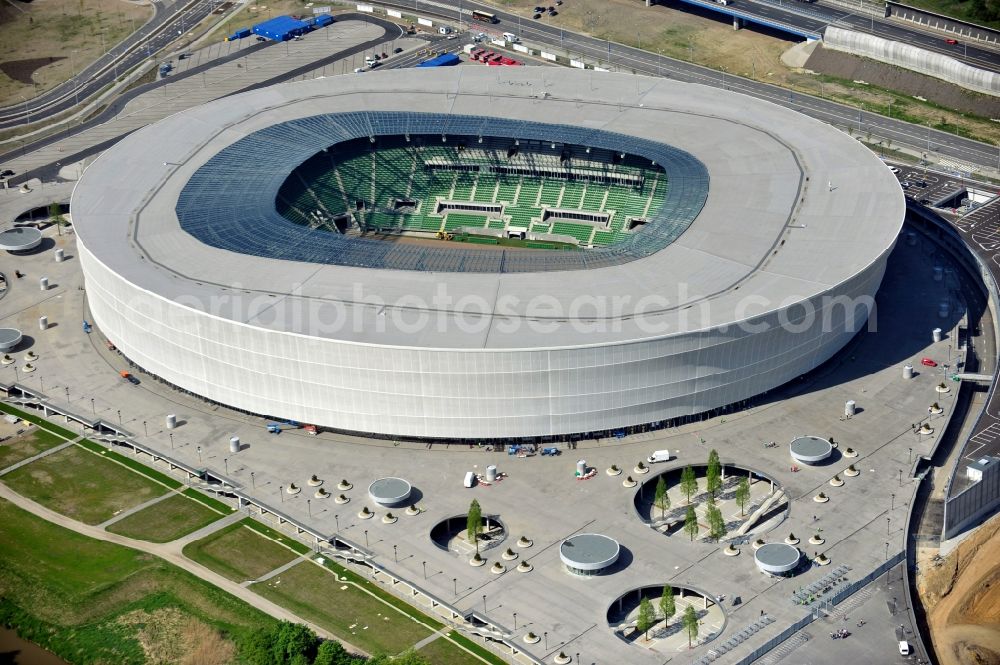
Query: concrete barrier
x,y
913,58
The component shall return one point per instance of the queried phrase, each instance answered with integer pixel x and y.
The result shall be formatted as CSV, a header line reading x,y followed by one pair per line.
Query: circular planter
x,y
341,499
821,560
28,368
942,389
412,510
628,482
925,429
476,563
641,469
498,568
524,542
366,514
315,482
524,567
851,471
30,356
821,498
816,540
850,452
321,494
343,486
936,411
792,540
613,472
757,544
509,555
293,489
729,550
531,638
836,482
561,659
6,360
389,518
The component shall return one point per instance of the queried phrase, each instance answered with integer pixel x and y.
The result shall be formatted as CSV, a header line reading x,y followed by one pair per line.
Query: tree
x,y
660,498
667,605
647,617
474,523
716,523
55,215
408,657
691,522
713,475
332,652
690,621
293,643
689,484
743,495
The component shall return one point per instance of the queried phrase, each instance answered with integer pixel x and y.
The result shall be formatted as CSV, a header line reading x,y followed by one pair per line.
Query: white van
x,y
470,479
369,60
511,37
904,648
659,456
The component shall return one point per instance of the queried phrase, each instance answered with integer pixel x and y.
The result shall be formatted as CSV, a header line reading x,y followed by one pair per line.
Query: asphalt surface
x,y
50,171
171,18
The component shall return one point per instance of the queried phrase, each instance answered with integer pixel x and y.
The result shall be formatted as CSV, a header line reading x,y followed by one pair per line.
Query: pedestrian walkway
x,y
277,571
166,551
125,513
39,456
430,638
180,543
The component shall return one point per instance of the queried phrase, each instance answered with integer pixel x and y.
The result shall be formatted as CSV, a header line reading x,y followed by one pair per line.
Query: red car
x,y
928,362
951,41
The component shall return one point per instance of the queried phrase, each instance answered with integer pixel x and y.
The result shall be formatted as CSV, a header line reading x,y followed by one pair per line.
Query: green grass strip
x,y
41,422
132,464
214,504
402,606
488,656
268,532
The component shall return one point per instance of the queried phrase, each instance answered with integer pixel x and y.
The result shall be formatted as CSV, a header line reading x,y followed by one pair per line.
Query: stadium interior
x,y
477,190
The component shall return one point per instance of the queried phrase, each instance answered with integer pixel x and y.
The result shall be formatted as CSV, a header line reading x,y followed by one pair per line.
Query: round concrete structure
x,y
776,558
810,449
712,302
20,239
588,553
9,338
390,492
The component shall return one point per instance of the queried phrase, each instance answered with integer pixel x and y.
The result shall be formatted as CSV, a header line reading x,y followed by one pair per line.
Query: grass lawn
x,y
315,594
82,485
22,447
443,652
95,602
167,520
238,553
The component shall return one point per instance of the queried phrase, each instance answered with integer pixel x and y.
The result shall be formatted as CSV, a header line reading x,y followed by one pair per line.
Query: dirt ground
x,y
962,596
43,42
697,36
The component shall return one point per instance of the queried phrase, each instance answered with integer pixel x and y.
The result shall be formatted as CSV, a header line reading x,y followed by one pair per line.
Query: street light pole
x,y
253,483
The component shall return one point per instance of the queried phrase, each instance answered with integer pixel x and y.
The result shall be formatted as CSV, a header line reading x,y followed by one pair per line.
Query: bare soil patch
x,y
962,597
69,34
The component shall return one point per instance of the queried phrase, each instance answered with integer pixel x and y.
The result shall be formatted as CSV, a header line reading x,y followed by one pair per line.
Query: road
x,y
918,138
171,553
171,19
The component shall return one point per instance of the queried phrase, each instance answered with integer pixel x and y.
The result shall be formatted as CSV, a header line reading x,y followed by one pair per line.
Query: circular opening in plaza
x,y
745,499
20,239
452,534
9,338
777,558
588,554
390,492
810,449
666,634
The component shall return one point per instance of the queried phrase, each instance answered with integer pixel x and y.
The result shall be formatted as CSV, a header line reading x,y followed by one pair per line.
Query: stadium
x,y
455,255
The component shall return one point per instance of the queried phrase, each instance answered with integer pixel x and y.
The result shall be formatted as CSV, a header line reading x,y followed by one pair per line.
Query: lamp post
x,y
199,454
145,429
395,557
171,440
454,581
892,501
887,551
119,416
515,620
281,492
910,458
484,603
253,483
67,393
366,537
309,507
545,637
92,407
425,569
900,477
336,518
225,460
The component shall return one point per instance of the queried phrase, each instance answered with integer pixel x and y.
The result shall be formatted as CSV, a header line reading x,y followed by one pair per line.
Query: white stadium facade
x,y
760,264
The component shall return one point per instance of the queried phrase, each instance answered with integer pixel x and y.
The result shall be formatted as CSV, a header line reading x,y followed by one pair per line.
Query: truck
x,y
658,456
239,34
443,60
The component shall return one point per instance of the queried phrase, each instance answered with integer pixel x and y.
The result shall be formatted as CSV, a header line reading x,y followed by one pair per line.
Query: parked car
x,y
537,16
129,377
398,49
928,362
894,169
953,42
904,648
6,173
